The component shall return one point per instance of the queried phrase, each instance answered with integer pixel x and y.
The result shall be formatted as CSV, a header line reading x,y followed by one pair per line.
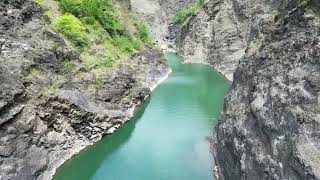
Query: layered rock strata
x,y
51,107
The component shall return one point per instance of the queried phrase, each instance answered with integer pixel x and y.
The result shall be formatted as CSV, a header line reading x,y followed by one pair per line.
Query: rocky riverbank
x,y
270,125
50,106
216,36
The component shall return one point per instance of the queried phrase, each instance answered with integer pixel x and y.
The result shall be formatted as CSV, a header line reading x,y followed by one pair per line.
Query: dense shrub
x,y
127,45
99,10
183,16
72,28
143,34
71,6
105,13
109,21
105,31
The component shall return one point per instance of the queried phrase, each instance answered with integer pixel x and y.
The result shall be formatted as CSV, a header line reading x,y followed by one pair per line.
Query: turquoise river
x,y
168,137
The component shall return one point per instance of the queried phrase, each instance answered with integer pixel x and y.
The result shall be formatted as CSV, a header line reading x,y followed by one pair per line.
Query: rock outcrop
x,y
158,14
270,125
50,106
219,34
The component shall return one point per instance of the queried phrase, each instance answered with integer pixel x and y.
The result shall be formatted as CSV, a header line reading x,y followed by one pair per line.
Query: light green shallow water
x,y
166,140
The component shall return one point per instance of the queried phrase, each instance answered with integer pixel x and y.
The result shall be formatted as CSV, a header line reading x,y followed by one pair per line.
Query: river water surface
x,y
167,138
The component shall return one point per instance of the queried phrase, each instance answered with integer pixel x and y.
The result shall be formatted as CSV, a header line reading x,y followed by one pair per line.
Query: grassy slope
x,y
104,32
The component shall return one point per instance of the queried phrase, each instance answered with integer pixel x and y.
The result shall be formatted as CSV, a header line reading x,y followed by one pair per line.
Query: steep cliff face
x,y
158,14
270,125
219,34
50,106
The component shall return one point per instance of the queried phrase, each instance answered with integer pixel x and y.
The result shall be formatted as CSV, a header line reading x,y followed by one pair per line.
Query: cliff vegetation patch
x,y
184,16
103,31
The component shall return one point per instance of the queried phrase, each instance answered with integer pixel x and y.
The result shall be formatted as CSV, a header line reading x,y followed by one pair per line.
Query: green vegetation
x,y
127,45
184,16
69,69
143,33
102,11
51,90
39,2
72,28
304,3
275,12
34,74
49,14
103,31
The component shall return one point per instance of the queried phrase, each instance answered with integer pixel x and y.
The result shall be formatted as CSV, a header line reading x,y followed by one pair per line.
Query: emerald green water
x,y
166,140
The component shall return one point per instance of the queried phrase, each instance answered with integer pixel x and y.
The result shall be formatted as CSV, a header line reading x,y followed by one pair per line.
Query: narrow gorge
x,y
96,89
168,138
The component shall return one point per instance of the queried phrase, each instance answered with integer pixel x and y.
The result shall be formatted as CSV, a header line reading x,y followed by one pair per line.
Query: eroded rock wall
x,y
158,15
270,125
50,111
219,34
270,49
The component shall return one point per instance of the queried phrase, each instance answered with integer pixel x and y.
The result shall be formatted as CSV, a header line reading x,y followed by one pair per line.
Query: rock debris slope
x,y
48,114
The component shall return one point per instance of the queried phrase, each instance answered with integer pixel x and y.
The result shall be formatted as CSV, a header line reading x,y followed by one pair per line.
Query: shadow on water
x,y
92,155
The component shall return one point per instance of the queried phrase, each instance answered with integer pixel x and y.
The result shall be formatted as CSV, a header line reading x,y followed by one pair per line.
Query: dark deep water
x,y
166,140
